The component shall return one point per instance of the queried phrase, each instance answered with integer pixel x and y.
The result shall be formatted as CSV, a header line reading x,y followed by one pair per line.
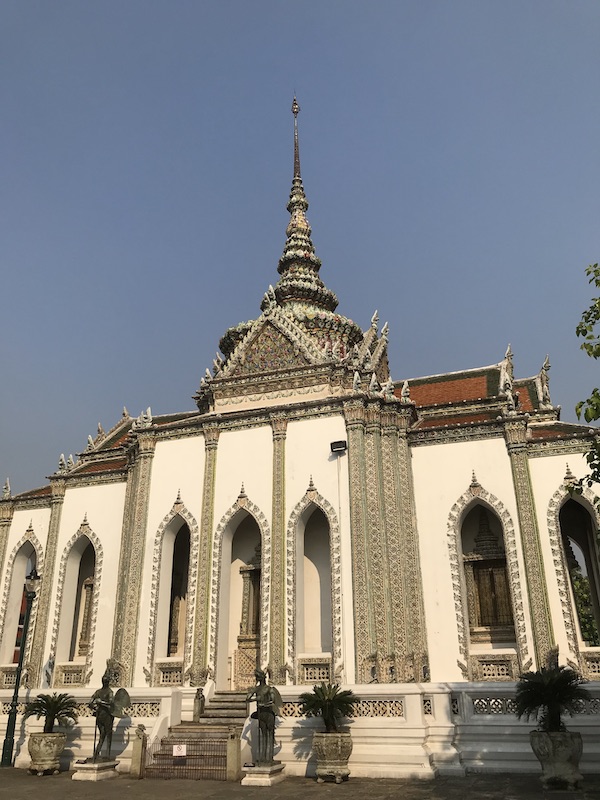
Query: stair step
x,y
189,773
224,712
193,755
205,740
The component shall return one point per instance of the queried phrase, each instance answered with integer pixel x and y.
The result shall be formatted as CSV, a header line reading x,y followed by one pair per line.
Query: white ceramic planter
x,y
332,751
45,750
559,754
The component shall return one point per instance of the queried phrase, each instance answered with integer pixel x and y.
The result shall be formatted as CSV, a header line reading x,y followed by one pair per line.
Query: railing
x,y
200,759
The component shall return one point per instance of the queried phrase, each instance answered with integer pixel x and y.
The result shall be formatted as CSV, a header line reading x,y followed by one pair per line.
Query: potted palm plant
x,y
45,747
545,695
333,746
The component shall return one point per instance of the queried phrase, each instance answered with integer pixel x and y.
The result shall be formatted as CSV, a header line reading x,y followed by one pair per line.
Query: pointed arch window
x,y
486,578
315,630
581,557
24,562
179,588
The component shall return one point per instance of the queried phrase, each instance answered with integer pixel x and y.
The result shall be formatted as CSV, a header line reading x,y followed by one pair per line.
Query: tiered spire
x,y
299,265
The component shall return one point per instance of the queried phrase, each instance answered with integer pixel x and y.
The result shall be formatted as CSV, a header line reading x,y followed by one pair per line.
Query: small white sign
x,y
179,750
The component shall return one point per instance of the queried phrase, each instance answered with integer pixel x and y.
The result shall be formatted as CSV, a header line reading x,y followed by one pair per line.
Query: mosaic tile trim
x,y
178,510
312,497
84,530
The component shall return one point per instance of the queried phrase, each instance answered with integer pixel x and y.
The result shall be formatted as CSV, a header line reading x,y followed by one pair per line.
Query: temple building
x,y
314,516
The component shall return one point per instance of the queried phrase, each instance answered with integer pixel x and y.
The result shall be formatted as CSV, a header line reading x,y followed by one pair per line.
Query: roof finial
x,y
295,110
299,265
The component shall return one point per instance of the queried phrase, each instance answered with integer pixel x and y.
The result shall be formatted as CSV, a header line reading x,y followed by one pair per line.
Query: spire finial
x,y
295,110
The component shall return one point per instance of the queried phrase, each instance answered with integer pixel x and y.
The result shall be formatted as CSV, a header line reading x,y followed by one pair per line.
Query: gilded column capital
x,y
279,426
58,487
515,432
354,413
7,509
389,421
373,415
211,435
407,416
142,445
146,443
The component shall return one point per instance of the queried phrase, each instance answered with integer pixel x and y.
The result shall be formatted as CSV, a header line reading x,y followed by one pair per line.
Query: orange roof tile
x,y
458,419
447,389
113,465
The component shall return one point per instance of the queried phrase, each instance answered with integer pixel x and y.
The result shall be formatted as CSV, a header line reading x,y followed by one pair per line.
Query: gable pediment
x,y
274,342
269,350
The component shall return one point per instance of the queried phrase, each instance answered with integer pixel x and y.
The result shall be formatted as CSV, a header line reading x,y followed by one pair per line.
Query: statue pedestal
x,y
263,774
95,770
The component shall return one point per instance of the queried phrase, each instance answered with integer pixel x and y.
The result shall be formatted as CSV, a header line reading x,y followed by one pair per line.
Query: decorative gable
x,y
269,350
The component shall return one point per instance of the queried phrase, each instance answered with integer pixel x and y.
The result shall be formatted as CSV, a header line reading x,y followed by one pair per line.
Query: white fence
x,y
399,730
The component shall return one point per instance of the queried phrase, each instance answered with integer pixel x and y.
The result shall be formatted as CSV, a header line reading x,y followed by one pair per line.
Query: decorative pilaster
x,y
86,624
46,595
515,431
131,559
416,666
277,611
199,668
376,540
364,622
7,508
395,550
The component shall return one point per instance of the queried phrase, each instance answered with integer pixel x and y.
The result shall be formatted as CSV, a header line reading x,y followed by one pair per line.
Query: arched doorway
x,y
12,640
238,650
581,556
178,596
314,625
489,605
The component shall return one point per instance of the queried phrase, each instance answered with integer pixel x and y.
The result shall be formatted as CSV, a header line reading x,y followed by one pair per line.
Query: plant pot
x,y
45,750
559,754
332,751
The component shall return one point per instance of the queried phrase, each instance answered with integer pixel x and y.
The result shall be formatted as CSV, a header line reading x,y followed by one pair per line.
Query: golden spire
x,y
295,110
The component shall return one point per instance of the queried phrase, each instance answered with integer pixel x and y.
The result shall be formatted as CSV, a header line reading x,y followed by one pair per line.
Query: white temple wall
x,y
177,470
442,475
103,505
36,518
244,457
547,478
177,467
308,454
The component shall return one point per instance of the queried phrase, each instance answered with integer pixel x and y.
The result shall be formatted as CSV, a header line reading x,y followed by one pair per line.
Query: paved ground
x,y
16,784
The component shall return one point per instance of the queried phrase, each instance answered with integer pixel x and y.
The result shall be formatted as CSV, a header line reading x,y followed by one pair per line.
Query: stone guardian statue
x,y
268,704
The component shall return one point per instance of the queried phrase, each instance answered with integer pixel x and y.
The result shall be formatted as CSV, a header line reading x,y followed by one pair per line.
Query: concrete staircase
x,y
206,743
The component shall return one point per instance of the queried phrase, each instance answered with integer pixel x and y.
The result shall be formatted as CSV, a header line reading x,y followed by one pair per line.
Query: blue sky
x,y
449,154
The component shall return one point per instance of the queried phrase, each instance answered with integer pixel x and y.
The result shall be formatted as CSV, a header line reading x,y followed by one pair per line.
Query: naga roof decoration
x,y
299,329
